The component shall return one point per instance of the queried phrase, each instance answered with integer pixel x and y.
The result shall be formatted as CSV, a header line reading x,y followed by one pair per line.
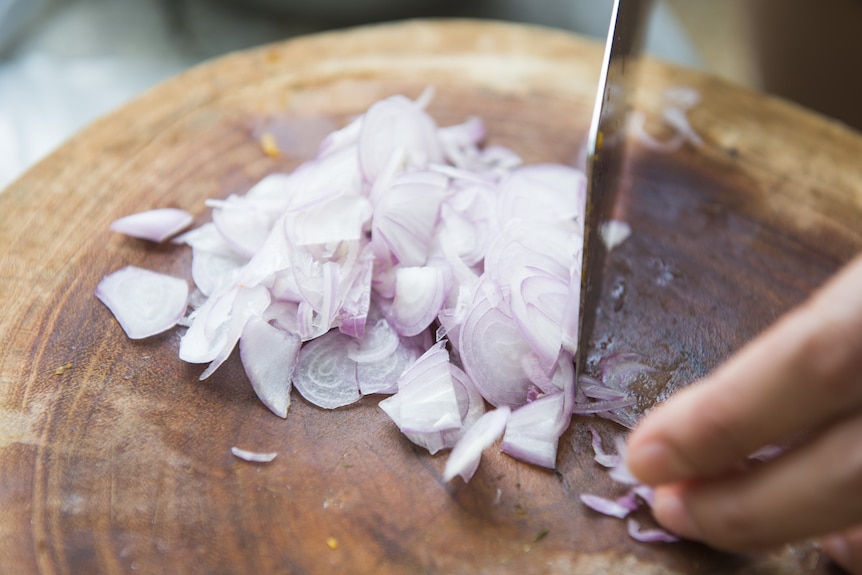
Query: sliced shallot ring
x,y
419,296
538,303
242,223
491,348
547,192
382,376
325,376
377,343
215,263
396,122
602,457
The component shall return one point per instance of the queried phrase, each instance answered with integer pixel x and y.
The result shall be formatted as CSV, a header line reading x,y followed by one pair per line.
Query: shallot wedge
x,y
604,506
426,400
655,535
419,295
253,456
534,429
472,407
465,456
154,225
145,303
269,358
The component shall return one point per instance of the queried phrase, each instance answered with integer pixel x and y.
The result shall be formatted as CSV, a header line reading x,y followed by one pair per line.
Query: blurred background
x,y
65,62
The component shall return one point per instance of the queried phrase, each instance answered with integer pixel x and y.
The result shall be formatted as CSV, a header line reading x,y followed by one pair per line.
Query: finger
x,y
808,492
845,549
800,374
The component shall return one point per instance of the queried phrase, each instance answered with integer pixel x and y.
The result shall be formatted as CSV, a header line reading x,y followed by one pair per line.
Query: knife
x,y
606,148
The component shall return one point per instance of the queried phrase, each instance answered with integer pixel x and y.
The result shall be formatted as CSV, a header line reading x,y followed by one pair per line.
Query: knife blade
x,y
606,148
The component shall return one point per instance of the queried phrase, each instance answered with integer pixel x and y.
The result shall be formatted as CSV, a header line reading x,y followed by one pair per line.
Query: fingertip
x,y
671,512
845,549
649,461
838,550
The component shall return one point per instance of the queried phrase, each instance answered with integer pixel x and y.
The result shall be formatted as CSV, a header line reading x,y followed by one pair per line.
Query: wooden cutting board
x,y
120,462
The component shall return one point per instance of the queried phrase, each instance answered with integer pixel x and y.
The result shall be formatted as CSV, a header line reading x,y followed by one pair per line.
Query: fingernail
x,y
670,511
837,548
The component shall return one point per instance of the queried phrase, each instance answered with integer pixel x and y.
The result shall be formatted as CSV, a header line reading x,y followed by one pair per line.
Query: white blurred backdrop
x,y
63,63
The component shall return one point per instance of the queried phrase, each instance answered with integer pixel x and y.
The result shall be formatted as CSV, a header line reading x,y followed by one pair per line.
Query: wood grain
x,y
122,463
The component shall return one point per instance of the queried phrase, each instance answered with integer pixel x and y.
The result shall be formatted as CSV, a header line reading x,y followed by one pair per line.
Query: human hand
x,y
799,383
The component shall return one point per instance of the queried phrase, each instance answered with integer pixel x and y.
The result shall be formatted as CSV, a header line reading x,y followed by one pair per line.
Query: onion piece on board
x,y
441,234
426,399
465,456
419,295
325,375
649,535
248,303
382,376
154,225
605,506
145,303
396,122
637,496
492,348
534,429
269,358
472,407
376,344
253,456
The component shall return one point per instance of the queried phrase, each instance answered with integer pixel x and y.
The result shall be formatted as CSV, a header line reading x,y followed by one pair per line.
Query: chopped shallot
x,y
606,506
154,225
426,400
145,303
637,496
326,376
464,459
269,357
334,279
655,535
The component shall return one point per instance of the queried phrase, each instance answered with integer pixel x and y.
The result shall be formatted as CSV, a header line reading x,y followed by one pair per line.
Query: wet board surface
x,y
122,462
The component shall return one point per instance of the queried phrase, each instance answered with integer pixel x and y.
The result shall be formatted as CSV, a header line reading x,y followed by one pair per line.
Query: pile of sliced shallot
x,y
406,259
